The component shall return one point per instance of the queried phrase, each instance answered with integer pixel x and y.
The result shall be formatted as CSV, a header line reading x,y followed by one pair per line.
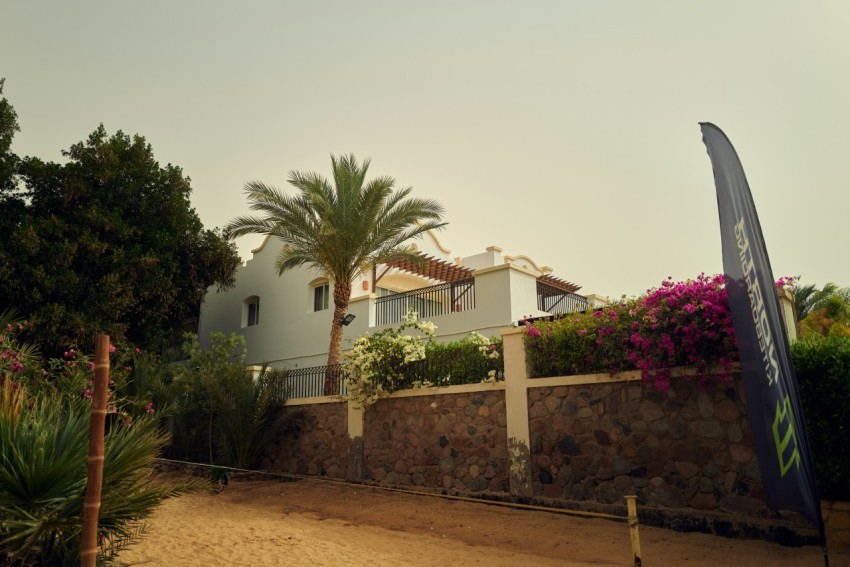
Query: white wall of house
x,y
290,334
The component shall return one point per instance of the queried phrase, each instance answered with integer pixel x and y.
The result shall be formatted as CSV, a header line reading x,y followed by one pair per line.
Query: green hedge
x,y
822,365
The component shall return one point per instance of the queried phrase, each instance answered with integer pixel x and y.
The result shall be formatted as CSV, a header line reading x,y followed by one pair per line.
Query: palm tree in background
x,y
340,228
819,309
808,298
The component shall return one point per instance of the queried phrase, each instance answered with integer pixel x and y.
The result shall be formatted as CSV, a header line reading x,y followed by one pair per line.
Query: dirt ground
x,y
318,523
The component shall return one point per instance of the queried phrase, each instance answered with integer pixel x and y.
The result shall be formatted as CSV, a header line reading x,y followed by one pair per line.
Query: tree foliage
x,y
8,127
823,311
339,228
822,366
105,242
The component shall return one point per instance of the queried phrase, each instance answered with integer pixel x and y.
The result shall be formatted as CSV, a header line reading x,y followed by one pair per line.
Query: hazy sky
x,y
566,131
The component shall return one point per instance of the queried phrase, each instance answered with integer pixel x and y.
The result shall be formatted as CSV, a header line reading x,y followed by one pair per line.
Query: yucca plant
x,y
43,453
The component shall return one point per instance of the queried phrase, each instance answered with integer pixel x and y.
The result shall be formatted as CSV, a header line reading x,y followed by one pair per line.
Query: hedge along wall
x,y
452,441
686,448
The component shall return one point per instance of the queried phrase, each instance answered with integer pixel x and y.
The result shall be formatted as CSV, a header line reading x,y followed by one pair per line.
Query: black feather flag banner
x,y
773,402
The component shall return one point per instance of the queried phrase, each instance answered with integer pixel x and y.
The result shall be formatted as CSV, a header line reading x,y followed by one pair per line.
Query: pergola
x,y
427,267
558,284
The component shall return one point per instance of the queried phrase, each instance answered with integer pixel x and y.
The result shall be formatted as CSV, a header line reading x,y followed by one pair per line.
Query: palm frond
x,y
338,228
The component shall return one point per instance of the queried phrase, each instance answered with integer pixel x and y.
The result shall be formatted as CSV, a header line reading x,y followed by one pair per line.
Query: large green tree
x,y
106,242
8,127
340,228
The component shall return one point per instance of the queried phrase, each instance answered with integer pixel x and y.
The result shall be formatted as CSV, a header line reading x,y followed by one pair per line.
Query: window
x,y
251,312
320,297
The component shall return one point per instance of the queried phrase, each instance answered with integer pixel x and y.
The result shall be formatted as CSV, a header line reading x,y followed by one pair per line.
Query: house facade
x,y
286,320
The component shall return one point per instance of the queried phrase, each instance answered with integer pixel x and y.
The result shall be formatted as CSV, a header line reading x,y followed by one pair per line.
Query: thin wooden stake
x,y
97,426
633,529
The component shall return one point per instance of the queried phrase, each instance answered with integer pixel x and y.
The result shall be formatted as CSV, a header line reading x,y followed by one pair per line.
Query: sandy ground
x,y
317,523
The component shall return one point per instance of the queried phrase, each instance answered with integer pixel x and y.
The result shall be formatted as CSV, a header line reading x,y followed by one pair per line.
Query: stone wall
x,y
320,446
687,448
454,441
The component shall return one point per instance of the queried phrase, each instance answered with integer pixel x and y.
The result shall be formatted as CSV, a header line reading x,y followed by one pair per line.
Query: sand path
x,y
315,523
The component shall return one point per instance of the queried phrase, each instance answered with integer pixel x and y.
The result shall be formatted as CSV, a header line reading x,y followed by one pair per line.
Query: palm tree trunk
x,y
91,505
342,295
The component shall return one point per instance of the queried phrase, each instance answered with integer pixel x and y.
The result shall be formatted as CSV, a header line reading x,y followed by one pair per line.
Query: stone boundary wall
x,y
320,446
687,448
579,442
455,441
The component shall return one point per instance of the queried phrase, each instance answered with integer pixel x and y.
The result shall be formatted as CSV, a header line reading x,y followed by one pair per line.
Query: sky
x,y
565,131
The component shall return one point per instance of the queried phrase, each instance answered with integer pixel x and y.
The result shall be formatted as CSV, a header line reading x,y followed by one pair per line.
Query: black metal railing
x,y
450,297
311,381
559,302
450,369
444,368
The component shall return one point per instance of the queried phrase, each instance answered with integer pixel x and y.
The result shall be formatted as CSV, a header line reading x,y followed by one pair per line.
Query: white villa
x,y
286,320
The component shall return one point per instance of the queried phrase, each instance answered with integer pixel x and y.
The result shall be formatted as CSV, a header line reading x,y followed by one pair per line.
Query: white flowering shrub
x,y
376,366
394,359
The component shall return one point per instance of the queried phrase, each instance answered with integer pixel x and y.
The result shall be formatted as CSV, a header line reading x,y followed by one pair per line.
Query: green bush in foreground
x,y
43,467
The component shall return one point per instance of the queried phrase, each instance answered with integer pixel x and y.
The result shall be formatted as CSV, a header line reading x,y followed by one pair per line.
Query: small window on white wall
x,y
321,294
251,312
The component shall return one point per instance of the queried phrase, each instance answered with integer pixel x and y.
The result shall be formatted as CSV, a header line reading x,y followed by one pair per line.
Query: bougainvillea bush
x,y
72,375
676,324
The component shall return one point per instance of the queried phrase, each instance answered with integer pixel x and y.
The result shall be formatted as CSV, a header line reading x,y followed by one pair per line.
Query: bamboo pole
x,y
633,529
91,504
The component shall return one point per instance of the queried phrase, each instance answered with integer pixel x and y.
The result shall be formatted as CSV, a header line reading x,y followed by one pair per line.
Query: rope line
x,y
539,508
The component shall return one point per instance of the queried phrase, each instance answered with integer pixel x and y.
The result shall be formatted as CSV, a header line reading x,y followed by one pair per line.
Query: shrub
x,y
676,324
473,359
219,413
43,468
375,367
72,375
394,359
252,416
822,366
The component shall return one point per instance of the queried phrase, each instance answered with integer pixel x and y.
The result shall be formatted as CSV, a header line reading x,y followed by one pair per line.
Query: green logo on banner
x,y
784,415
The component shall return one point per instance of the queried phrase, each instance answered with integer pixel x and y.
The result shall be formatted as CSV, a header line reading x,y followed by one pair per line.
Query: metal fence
x,y
559,302
309,382
442,368
450,297
450,368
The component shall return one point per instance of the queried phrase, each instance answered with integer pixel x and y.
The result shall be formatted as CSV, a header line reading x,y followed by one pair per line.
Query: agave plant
x,y
43,454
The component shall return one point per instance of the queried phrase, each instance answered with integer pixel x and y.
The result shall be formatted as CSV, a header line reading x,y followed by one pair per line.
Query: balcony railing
x,y
557,301
428,302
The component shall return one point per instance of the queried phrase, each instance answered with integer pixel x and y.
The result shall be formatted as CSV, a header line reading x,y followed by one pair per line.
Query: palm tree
x,y
808,298
340,229
819,309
